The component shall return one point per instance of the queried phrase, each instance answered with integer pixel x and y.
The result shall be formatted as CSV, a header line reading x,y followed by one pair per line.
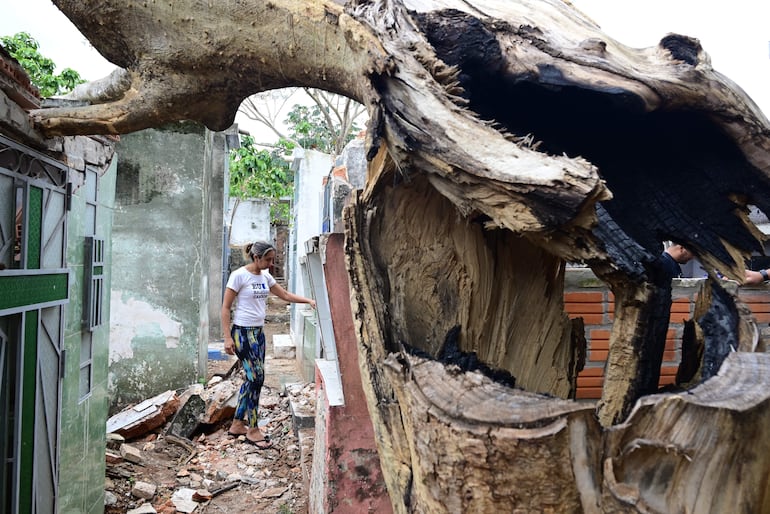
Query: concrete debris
x,y
143,490
190,463
221,400
130,453
110,498
187,419
112,457
114,440
144,417
183,500
144,508
202,495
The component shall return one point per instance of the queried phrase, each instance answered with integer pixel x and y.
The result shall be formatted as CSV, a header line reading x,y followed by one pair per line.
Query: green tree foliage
x,y
259,173
312,127
308,128
41,70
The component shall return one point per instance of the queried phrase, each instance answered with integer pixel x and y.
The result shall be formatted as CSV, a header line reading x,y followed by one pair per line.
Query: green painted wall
x,y
162,247
82,435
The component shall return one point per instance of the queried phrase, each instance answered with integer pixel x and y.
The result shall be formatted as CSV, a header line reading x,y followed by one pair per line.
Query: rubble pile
x,y
172,453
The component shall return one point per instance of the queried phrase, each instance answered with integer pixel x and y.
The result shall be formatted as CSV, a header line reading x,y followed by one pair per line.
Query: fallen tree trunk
x,y
505,140
505,450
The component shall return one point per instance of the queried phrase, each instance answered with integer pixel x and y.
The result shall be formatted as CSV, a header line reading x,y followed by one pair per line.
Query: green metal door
x,y
34,284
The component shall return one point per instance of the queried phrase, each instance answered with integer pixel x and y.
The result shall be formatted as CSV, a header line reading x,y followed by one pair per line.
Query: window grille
x,y
94,282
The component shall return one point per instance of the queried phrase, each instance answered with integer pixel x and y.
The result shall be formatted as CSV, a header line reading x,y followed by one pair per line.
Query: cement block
x,y
283,347
302,415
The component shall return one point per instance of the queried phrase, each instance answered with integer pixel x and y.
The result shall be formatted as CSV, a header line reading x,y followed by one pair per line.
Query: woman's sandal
x,y
262,445
259,440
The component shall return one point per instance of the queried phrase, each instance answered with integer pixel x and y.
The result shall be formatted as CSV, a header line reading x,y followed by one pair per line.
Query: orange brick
x,y
583,308
584,297
588,393
755,298
591,319
666,380
591,372
598,355
668,370
599,333
759,307
669,356
599,344
590,382
762,317
681,308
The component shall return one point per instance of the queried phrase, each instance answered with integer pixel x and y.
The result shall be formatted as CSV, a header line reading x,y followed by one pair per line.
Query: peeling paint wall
x,y
165,247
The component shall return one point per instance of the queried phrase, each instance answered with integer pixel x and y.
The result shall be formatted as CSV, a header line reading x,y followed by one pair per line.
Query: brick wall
x,y
587,297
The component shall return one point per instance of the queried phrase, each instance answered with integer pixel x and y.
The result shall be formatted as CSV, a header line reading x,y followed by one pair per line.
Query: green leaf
x,y
41,70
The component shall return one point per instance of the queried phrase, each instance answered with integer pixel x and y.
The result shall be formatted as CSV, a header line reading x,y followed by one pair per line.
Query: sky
x,y
736,34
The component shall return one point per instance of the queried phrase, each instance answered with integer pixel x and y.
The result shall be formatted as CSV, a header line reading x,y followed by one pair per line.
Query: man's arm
x,y
756,277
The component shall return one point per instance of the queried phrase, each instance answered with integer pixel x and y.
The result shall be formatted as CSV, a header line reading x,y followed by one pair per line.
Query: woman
x,y
251,285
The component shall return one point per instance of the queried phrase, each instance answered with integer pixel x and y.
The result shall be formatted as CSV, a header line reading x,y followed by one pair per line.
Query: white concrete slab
x,y
330,375
283,347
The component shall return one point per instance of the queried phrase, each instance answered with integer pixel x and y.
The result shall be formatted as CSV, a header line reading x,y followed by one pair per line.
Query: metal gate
x,y
34,286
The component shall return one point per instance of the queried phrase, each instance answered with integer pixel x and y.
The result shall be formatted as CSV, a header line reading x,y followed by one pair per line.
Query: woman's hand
x,y
229,346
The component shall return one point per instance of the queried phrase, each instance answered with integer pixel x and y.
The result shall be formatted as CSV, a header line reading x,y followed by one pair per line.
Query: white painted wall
x,y
310,168
250,221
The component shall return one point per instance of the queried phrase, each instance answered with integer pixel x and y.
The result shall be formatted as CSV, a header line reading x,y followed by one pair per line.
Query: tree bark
x,y
505,139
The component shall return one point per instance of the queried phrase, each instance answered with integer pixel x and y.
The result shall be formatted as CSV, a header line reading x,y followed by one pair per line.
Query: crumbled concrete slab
x,y
188,418
144,417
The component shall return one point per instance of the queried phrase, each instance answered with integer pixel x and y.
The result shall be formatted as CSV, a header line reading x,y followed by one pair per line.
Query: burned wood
x,y
720,326
219,490
450,354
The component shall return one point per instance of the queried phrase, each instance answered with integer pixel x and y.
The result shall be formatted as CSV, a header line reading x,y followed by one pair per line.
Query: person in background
x,y
665,268
251,285
754,278
672,257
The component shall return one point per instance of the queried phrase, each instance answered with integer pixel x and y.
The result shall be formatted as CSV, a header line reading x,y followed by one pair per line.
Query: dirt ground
x,y
240,477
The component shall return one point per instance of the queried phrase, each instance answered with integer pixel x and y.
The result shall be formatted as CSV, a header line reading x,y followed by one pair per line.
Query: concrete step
x,y
283,347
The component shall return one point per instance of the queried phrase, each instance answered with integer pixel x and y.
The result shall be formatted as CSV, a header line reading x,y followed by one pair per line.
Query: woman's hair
x,y
258,249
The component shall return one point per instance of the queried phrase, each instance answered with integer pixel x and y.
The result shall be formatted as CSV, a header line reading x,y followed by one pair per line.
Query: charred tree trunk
x,y
505,139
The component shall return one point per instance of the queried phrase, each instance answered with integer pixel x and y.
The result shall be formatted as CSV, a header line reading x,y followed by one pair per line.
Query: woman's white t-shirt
x,y
251,296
